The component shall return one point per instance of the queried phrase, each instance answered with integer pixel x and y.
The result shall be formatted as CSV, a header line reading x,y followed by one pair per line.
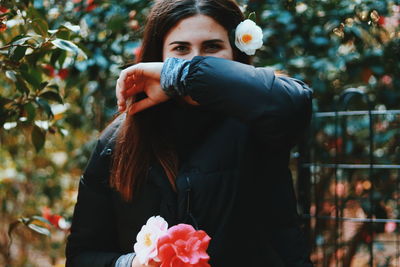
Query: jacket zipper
x,y
189,214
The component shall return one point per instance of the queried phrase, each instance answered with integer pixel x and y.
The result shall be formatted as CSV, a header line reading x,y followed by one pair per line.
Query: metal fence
x,y
348,180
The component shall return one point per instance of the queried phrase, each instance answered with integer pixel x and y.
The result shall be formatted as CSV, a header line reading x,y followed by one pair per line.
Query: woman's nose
x,y
196,52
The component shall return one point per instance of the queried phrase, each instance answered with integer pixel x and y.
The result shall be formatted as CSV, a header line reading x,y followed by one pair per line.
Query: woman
x,y
206,142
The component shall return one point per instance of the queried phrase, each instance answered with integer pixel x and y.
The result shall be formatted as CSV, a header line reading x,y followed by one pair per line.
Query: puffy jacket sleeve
x,y
277,108
92,240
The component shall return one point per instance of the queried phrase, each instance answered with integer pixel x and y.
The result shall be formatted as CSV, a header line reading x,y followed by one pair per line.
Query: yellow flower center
x,y
246,38
147,240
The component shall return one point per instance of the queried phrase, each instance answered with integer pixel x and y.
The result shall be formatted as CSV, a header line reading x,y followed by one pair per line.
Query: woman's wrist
x,y
125,260
173,74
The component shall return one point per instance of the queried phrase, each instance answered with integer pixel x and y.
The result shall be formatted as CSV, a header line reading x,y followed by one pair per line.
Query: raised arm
x,y
276,108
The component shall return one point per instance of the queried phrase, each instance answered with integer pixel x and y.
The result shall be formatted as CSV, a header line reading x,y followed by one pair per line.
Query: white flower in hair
x,y
248,37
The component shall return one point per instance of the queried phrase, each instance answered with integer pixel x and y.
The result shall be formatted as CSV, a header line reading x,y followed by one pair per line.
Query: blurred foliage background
x,y
59,62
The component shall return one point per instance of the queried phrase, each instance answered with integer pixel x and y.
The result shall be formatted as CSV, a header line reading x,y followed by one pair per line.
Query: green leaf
x,y
24,220
4,110
116,23
56,53
66,27
38,23
10,74
54,87
68,46
39,218
32,76
4,101
45,106
21,85
38,137
43,85
11,228
40,27
252,16
50,94
30,110
62,58
16,53
63,33
72,28
39,229
21,40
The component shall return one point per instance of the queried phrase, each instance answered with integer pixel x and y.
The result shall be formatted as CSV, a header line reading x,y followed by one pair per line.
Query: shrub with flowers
x,y
57,63
53,101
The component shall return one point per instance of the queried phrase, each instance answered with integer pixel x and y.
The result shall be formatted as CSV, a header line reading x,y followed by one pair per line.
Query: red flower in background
x,y
52,218
90,5
183,246
63,73
381,20
3,9
332,144
3,20
3,26
366,74
50,71
55,219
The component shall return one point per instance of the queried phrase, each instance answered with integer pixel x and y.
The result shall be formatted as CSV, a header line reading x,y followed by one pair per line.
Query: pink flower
x,y
146,240
183,246
387,80
390,227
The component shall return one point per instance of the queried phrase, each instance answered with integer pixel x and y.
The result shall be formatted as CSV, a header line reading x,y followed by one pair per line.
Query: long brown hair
x,y
144,137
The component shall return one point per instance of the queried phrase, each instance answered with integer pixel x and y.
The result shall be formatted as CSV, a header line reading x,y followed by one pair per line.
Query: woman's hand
x,y
142,77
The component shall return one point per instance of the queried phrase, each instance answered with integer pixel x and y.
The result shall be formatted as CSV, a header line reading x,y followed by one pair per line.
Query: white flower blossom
x,y
248,37
146,240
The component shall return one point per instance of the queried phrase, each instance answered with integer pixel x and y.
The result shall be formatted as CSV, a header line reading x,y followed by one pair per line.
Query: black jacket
x,y
233,182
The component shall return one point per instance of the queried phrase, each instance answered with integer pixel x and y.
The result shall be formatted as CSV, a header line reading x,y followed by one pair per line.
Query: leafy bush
x,y
59,62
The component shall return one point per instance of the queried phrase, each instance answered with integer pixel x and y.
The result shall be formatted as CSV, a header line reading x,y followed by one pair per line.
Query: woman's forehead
x,y
198,27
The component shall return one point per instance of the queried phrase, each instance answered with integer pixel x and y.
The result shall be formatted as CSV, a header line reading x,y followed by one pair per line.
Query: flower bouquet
x,y
179,245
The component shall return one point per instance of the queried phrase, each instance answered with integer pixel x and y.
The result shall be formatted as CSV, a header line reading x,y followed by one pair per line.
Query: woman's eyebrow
x,y
213,41
179,42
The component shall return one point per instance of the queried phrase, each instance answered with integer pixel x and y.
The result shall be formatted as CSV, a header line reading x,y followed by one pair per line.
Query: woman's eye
x,y
210,48
181,49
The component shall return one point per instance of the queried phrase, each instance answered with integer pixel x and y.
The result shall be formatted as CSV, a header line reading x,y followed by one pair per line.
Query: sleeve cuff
x,y
125,260
173,75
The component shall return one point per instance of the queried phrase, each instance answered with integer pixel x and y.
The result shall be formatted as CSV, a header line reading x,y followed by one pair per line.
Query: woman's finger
x,y
119,91
141,105
133,80
121,106
121,82
129,82
124,87
136,86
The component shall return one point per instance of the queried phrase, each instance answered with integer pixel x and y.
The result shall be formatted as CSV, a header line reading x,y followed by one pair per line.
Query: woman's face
x,y
198,35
